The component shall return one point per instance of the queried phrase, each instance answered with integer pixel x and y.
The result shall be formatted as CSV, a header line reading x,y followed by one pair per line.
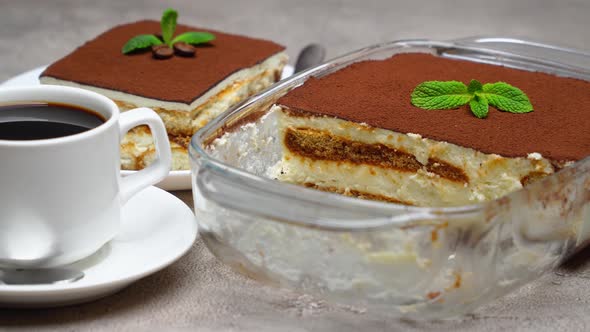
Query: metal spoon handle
x,y
311,55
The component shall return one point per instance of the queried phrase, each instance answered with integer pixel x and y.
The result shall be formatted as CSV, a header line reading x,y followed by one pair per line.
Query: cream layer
x,y
489,175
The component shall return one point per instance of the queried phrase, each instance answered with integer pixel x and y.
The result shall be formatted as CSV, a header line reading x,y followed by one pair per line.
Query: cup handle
x,y
132,184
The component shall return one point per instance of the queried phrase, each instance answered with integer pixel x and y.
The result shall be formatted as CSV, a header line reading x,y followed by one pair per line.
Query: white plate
x,y
157,229
176,180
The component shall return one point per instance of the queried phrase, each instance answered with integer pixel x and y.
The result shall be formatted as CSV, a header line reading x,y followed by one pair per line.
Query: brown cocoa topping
x,y
100,63
378,93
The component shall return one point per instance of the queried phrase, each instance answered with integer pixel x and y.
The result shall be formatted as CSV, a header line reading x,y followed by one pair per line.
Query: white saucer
x,y
176,180
157,229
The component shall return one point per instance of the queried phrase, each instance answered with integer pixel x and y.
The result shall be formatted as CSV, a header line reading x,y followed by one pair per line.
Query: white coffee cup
x,y
61,198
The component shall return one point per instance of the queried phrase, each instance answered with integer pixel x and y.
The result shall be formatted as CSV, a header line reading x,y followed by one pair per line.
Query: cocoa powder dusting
x,y
378,93
100,63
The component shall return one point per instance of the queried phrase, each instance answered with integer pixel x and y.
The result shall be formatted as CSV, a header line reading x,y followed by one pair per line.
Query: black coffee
x,y
30,121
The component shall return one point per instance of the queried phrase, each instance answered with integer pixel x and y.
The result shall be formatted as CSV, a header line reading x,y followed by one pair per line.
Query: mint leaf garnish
x,y
168,25
474,86
140,42
506,97
479,106
438,95
193,38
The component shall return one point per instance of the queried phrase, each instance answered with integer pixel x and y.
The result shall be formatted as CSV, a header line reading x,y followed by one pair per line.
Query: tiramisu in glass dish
x,y
417,177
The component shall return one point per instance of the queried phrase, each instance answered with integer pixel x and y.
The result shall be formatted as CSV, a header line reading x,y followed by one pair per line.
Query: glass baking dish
x,y
416,262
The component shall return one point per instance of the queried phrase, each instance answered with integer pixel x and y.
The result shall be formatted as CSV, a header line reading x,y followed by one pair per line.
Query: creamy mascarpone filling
x,y
259,147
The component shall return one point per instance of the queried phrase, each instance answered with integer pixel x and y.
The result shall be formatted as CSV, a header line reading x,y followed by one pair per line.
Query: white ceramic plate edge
x,y
84,291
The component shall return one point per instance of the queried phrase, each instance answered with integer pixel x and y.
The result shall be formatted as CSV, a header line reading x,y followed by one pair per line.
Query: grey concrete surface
x,y
198,292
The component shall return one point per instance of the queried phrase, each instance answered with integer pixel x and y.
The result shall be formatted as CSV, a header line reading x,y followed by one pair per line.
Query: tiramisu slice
x,y
186,91
356,132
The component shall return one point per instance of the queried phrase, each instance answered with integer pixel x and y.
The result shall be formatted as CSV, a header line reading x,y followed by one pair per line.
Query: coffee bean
x,y
161,52
184,49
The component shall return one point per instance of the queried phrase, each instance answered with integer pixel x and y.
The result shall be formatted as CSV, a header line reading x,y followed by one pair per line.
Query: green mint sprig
x,y
439,95
168,27
140,42
168,24
193,38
